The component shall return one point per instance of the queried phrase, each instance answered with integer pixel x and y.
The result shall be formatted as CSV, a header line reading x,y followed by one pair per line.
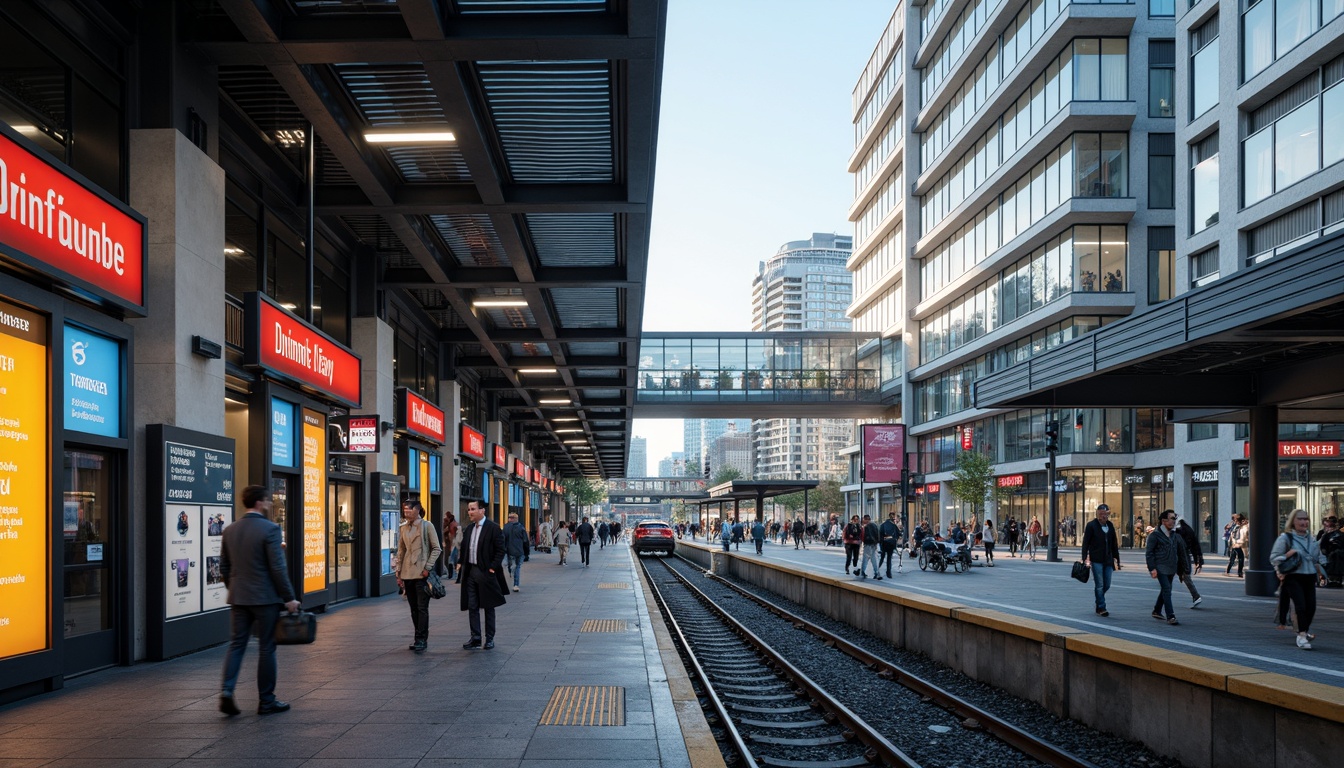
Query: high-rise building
x,y
638,465
1055,182
672,466
692,444
803,287
732,449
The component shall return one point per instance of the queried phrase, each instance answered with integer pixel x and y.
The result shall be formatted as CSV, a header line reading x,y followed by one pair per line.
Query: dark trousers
x,y
851,556
760,544
1238,555
1164,596
583,551
418,597
1301,589
798,541
474,587
243,617
885,556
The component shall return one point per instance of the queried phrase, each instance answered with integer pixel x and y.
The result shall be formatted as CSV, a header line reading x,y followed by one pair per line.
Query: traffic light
x,y
706,470
1052,437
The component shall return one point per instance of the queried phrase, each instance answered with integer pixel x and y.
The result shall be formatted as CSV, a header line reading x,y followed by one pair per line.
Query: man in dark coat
x,y
252,562
1187,578
603,531
890,534
584,535
517,547
483,584
1101,553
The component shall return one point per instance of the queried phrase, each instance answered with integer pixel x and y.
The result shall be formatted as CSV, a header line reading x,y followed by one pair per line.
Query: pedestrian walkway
x,y
1228,625
360,698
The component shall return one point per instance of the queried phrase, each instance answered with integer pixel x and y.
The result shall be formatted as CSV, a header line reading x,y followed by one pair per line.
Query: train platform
x,y
577,680
1227,626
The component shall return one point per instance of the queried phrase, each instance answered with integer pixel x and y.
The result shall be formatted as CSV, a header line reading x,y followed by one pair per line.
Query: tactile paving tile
x,y
614,585
585,705
603,625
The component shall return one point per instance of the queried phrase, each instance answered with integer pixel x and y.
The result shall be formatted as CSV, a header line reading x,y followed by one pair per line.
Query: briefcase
x,y
1080,571
296,628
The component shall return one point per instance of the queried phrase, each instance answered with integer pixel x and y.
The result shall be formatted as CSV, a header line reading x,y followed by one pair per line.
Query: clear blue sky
x,y
754,140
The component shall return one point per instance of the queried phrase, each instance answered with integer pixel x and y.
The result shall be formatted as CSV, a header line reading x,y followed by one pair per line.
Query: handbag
x,y
298,628
1081,572
434,586
1291,563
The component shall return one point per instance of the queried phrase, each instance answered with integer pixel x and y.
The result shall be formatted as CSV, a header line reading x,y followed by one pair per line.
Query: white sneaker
x,y
515,589
1303,643
1198,600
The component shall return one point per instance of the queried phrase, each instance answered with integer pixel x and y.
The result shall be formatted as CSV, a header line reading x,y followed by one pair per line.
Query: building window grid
x,y
1161,78
882,204
1204,184
891,77
1204,267
878,63
1161,171
1020,435
1204,67
880,152
1285,142
877,265
1272,28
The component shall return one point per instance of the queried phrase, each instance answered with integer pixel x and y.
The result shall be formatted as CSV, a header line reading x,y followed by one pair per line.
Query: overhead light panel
x,y
567,418
538,370
409,137
555,401
567,431
499,303
576,442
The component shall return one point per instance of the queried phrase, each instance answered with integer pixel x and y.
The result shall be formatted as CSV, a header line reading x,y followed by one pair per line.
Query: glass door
x,y
91,514
342,539
1206,515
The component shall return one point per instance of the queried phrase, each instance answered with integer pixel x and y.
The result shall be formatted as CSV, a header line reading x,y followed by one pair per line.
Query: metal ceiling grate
x,y
573,239
586,307
471,238
374,232
473,7
329,170
554,118
447,317
596,393
429,163
391,94
529,349
262,99
596,348
510,317
600,373
346,6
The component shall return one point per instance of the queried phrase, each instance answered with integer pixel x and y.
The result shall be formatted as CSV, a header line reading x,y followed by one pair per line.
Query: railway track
x,y
770,712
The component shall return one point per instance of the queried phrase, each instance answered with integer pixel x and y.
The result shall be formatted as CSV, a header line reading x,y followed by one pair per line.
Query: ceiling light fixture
x,y
567,418
409,137
567,431
576,442
538,370
555,401
499,303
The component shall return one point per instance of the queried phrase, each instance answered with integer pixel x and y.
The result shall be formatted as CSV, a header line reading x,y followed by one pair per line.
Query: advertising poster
x,y
92,401
213,593
182,556
389,510
883,447
353,434
24,516
282,433
314,501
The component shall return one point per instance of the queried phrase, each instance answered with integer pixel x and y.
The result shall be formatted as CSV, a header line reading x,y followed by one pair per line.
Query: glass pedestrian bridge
x,y
788,374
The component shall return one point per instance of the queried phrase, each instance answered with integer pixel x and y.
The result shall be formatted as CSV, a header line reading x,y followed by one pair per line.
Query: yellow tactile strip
x,y
603,625
614,585
585,705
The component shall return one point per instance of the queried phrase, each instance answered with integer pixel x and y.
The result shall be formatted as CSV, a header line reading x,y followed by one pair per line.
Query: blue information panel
x,y
282,433
92,383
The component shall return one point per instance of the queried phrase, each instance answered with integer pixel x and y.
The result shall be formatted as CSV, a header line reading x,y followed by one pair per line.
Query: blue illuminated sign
x,y
282,433
92,383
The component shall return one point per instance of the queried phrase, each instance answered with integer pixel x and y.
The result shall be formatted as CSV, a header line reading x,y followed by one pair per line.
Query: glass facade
x,y
1272,28
1204,79
1291,147
1204,185
1020,435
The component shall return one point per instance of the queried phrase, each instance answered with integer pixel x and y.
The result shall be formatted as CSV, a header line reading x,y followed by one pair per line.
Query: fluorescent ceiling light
x,y
499,303
576,442
567,418
538,370
555,401
404,136
567,431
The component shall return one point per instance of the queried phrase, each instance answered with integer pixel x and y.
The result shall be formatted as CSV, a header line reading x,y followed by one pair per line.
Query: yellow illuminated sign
x,y
25,619
314,501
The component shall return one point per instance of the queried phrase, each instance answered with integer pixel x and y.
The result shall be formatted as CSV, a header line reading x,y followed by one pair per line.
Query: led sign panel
x,y
287,347
473,444
92,383
314,502
420,417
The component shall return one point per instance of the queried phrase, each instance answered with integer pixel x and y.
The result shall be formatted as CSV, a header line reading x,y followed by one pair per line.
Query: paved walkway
x,y
1228,625
360,698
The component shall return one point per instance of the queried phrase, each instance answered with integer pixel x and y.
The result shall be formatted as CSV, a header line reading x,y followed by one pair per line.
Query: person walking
x,y
584,536
616,530
987,539
563,538
603,531
417,553
516,548
758,536
889,534
483,584
870,537
798,530
1101,553
725,535
1332,548
545,536
1192,546
739,533
1013,533
1033,537
452,537
1238,550
1297,559
853,538
252,564
1166,555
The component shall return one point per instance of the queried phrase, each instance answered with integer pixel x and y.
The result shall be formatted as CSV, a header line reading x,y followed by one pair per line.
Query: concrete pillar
x,y
450,398
372,339
1264,492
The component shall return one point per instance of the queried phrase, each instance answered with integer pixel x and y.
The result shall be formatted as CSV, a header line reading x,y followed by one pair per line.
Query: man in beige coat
x,y
417,551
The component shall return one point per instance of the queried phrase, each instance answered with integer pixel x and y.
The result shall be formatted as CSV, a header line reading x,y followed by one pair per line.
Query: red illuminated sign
x,y
473,444
288,347
58,225
1301,449
1011,481
420,417
967,435
518,468
500,456
932,488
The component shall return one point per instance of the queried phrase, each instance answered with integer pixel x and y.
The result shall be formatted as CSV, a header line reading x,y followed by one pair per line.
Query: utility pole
x,y
1051,449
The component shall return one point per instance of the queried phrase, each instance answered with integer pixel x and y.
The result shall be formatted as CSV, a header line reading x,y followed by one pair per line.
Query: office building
x,y
638,464
672,466
1072,164
731,449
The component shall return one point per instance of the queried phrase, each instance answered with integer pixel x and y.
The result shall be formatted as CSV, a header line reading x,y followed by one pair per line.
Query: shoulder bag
x,y
1081,572
433,584
1291,563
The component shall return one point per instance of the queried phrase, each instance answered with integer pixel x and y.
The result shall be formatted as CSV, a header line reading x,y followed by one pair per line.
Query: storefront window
x,y
88,521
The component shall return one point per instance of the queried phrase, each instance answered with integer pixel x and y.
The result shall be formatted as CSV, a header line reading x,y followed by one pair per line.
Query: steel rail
x,y
880,749
735,737
1006,732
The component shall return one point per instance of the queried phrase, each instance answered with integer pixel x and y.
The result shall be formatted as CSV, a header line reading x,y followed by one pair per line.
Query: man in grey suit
x,y
253,565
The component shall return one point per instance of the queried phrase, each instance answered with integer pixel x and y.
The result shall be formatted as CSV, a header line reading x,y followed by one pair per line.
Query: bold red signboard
x,y
967,435
1011,481
883,450
58,225
519,468
500,456
287,346
420,417
1301,449
932,488
473,444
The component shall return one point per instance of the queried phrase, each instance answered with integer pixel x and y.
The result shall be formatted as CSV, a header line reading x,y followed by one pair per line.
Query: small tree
x,y
692,468
973,481
585,492
827,496
726,472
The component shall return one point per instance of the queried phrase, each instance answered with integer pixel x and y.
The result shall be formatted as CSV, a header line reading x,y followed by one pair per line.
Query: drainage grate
x,y
585,705
603,625
614,585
